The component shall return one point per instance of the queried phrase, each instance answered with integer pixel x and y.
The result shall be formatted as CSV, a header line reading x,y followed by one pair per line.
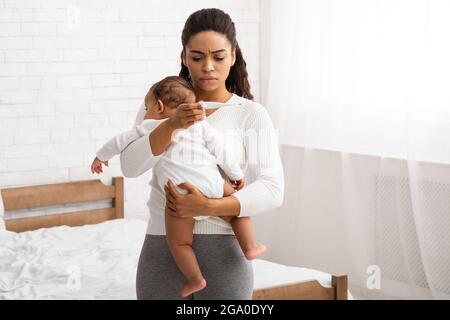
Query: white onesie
x,y
193,157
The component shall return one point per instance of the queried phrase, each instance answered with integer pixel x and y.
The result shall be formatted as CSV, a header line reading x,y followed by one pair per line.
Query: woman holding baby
x,y
213,63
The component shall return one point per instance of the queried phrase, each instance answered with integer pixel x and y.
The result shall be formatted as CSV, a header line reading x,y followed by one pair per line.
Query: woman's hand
x,y
189,205
186,114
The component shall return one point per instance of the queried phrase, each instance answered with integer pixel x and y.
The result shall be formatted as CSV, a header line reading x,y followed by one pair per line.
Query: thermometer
x,y
214,105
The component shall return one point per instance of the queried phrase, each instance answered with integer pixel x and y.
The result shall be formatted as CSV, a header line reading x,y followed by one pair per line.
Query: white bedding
x,y
97,262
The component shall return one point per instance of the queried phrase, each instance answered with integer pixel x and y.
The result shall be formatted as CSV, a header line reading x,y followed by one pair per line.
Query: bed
x,y
93,254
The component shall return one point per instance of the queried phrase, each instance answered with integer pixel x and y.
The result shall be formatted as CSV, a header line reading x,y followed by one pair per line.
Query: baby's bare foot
x,y
192,286
255,251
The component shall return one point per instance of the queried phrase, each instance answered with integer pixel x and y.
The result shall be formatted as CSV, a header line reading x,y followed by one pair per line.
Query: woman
x,y
212,60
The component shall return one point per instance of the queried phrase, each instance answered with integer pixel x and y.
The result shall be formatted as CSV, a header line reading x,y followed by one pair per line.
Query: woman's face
x,y
209,57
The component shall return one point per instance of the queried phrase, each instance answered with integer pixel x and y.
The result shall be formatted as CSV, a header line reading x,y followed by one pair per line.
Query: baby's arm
x,y
117,144
226,160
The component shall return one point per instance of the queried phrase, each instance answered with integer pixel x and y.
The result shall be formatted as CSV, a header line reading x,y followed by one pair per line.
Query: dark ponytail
x,y
217,20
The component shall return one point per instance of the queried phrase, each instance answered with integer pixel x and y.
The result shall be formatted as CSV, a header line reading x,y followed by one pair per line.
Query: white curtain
x,y
360,93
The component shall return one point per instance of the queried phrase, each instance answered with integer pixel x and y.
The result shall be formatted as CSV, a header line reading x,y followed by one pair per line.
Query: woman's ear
x,y
233,57
183,58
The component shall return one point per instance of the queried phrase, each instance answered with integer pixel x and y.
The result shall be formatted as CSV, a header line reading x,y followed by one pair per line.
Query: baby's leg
x,y
179,238
243,229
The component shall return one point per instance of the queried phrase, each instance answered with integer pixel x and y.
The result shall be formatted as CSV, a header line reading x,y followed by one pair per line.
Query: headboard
x,y
59,194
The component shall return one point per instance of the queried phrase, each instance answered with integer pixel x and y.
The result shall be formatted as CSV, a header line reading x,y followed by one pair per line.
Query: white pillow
x,y
2,213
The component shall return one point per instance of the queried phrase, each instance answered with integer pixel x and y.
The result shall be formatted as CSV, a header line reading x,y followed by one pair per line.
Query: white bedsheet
x,y
97,262
44,264
270,274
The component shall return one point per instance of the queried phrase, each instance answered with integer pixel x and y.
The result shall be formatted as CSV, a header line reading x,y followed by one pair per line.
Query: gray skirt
x,y
227,272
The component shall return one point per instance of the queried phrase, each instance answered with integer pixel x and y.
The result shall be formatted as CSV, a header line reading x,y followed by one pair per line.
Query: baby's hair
x,y
172,91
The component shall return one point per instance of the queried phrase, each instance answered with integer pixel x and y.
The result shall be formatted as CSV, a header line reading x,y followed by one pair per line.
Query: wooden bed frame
x,y
59,194
80,191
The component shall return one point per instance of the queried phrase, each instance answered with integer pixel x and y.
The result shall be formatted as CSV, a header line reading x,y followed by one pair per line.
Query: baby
x,y
191,157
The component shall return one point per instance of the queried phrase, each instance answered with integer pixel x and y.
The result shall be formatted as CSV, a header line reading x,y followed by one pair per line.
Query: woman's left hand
x,y
189,205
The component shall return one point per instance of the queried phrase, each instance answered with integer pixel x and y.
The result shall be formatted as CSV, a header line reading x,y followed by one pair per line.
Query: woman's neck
x,y
219,95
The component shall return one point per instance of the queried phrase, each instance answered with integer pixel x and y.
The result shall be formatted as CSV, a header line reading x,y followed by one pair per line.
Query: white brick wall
x,y
65,90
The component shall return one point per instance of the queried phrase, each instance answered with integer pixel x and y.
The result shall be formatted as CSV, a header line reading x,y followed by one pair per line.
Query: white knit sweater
x,y
250,132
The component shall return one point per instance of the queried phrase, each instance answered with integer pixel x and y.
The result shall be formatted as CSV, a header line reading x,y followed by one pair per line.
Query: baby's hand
x,y
238,184
96,165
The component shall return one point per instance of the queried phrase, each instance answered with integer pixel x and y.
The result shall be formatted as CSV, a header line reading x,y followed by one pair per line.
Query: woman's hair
x,y
172,91
219,21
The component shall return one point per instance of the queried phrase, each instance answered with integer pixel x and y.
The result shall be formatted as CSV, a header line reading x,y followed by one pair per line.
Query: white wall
x,y
65,88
